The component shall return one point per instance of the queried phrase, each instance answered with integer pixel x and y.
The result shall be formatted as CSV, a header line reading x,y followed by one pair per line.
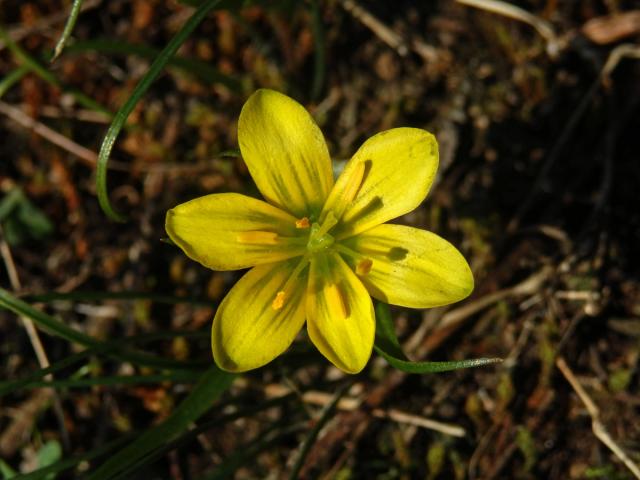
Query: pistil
x,y
320,239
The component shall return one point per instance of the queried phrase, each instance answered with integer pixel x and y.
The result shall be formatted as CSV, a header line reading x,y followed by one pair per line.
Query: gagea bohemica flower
x,y
319,249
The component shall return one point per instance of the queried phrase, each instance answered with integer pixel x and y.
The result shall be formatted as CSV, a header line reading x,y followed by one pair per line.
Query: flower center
x,y
319,237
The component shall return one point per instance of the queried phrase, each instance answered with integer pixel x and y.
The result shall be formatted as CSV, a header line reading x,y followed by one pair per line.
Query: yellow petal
x,y
285,152
412,267
229,231
340,317
388,176
249,330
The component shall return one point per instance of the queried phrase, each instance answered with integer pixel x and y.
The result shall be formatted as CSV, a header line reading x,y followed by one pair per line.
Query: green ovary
x,y
318,243
319,238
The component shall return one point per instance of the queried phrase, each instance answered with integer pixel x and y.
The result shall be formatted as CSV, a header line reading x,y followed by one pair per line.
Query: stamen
x,y
303,223
278,302
353,183
363,266
283,295
259,237
336,301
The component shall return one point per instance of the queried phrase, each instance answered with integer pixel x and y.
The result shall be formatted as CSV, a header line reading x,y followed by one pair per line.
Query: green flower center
x,y
319,238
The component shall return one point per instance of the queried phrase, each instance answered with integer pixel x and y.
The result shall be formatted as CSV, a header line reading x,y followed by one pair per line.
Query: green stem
x,y
140,89
68,28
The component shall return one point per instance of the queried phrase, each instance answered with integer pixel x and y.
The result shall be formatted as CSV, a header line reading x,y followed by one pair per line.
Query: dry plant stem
x,y
528,287
18,116
354,423
82,115
508,10
352,404
482,446
598,428
628,50
383,32
34,338
388,36
87,156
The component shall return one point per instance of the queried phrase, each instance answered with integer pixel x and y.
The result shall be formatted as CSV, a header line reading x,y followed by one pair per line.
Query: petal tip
x,y
353,369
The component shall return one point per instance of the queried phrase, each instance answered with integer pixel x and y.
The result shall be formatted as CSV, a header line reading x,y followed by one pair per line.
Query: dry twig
x,y
508,10
383,32
598,428
352,404
87,156
36,343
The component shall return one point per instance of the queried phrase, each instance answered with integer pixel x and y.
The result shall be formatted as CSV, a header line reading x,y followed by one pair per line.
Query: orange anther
x,y
303,223
278,302
364,266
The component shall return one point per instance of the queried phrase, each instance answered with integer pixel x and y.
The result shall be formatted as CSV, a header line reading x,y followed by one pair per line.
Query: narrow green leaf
x,y
35,378
21,218
12,78
189,435
6,471
33,219
211,385
33,65
386,337
192,66
327,413
68,28
52,325
113,349
114,380
388,346
89,296
11,386
140,89
434,367
9,202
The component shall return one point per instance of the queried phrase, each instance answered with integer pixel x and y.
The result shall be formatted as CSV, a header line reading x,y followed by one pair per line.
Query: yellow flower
x,y
318,250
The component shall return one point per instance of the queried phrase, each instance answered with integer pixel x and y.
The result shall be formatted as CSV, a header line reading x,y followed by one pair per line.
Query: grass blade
x,y
68,28
113,349
192,66
189,435
211,385
388,346
12,78
11,386
325,416
100,296
434,367
113,380
33,65
140,89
